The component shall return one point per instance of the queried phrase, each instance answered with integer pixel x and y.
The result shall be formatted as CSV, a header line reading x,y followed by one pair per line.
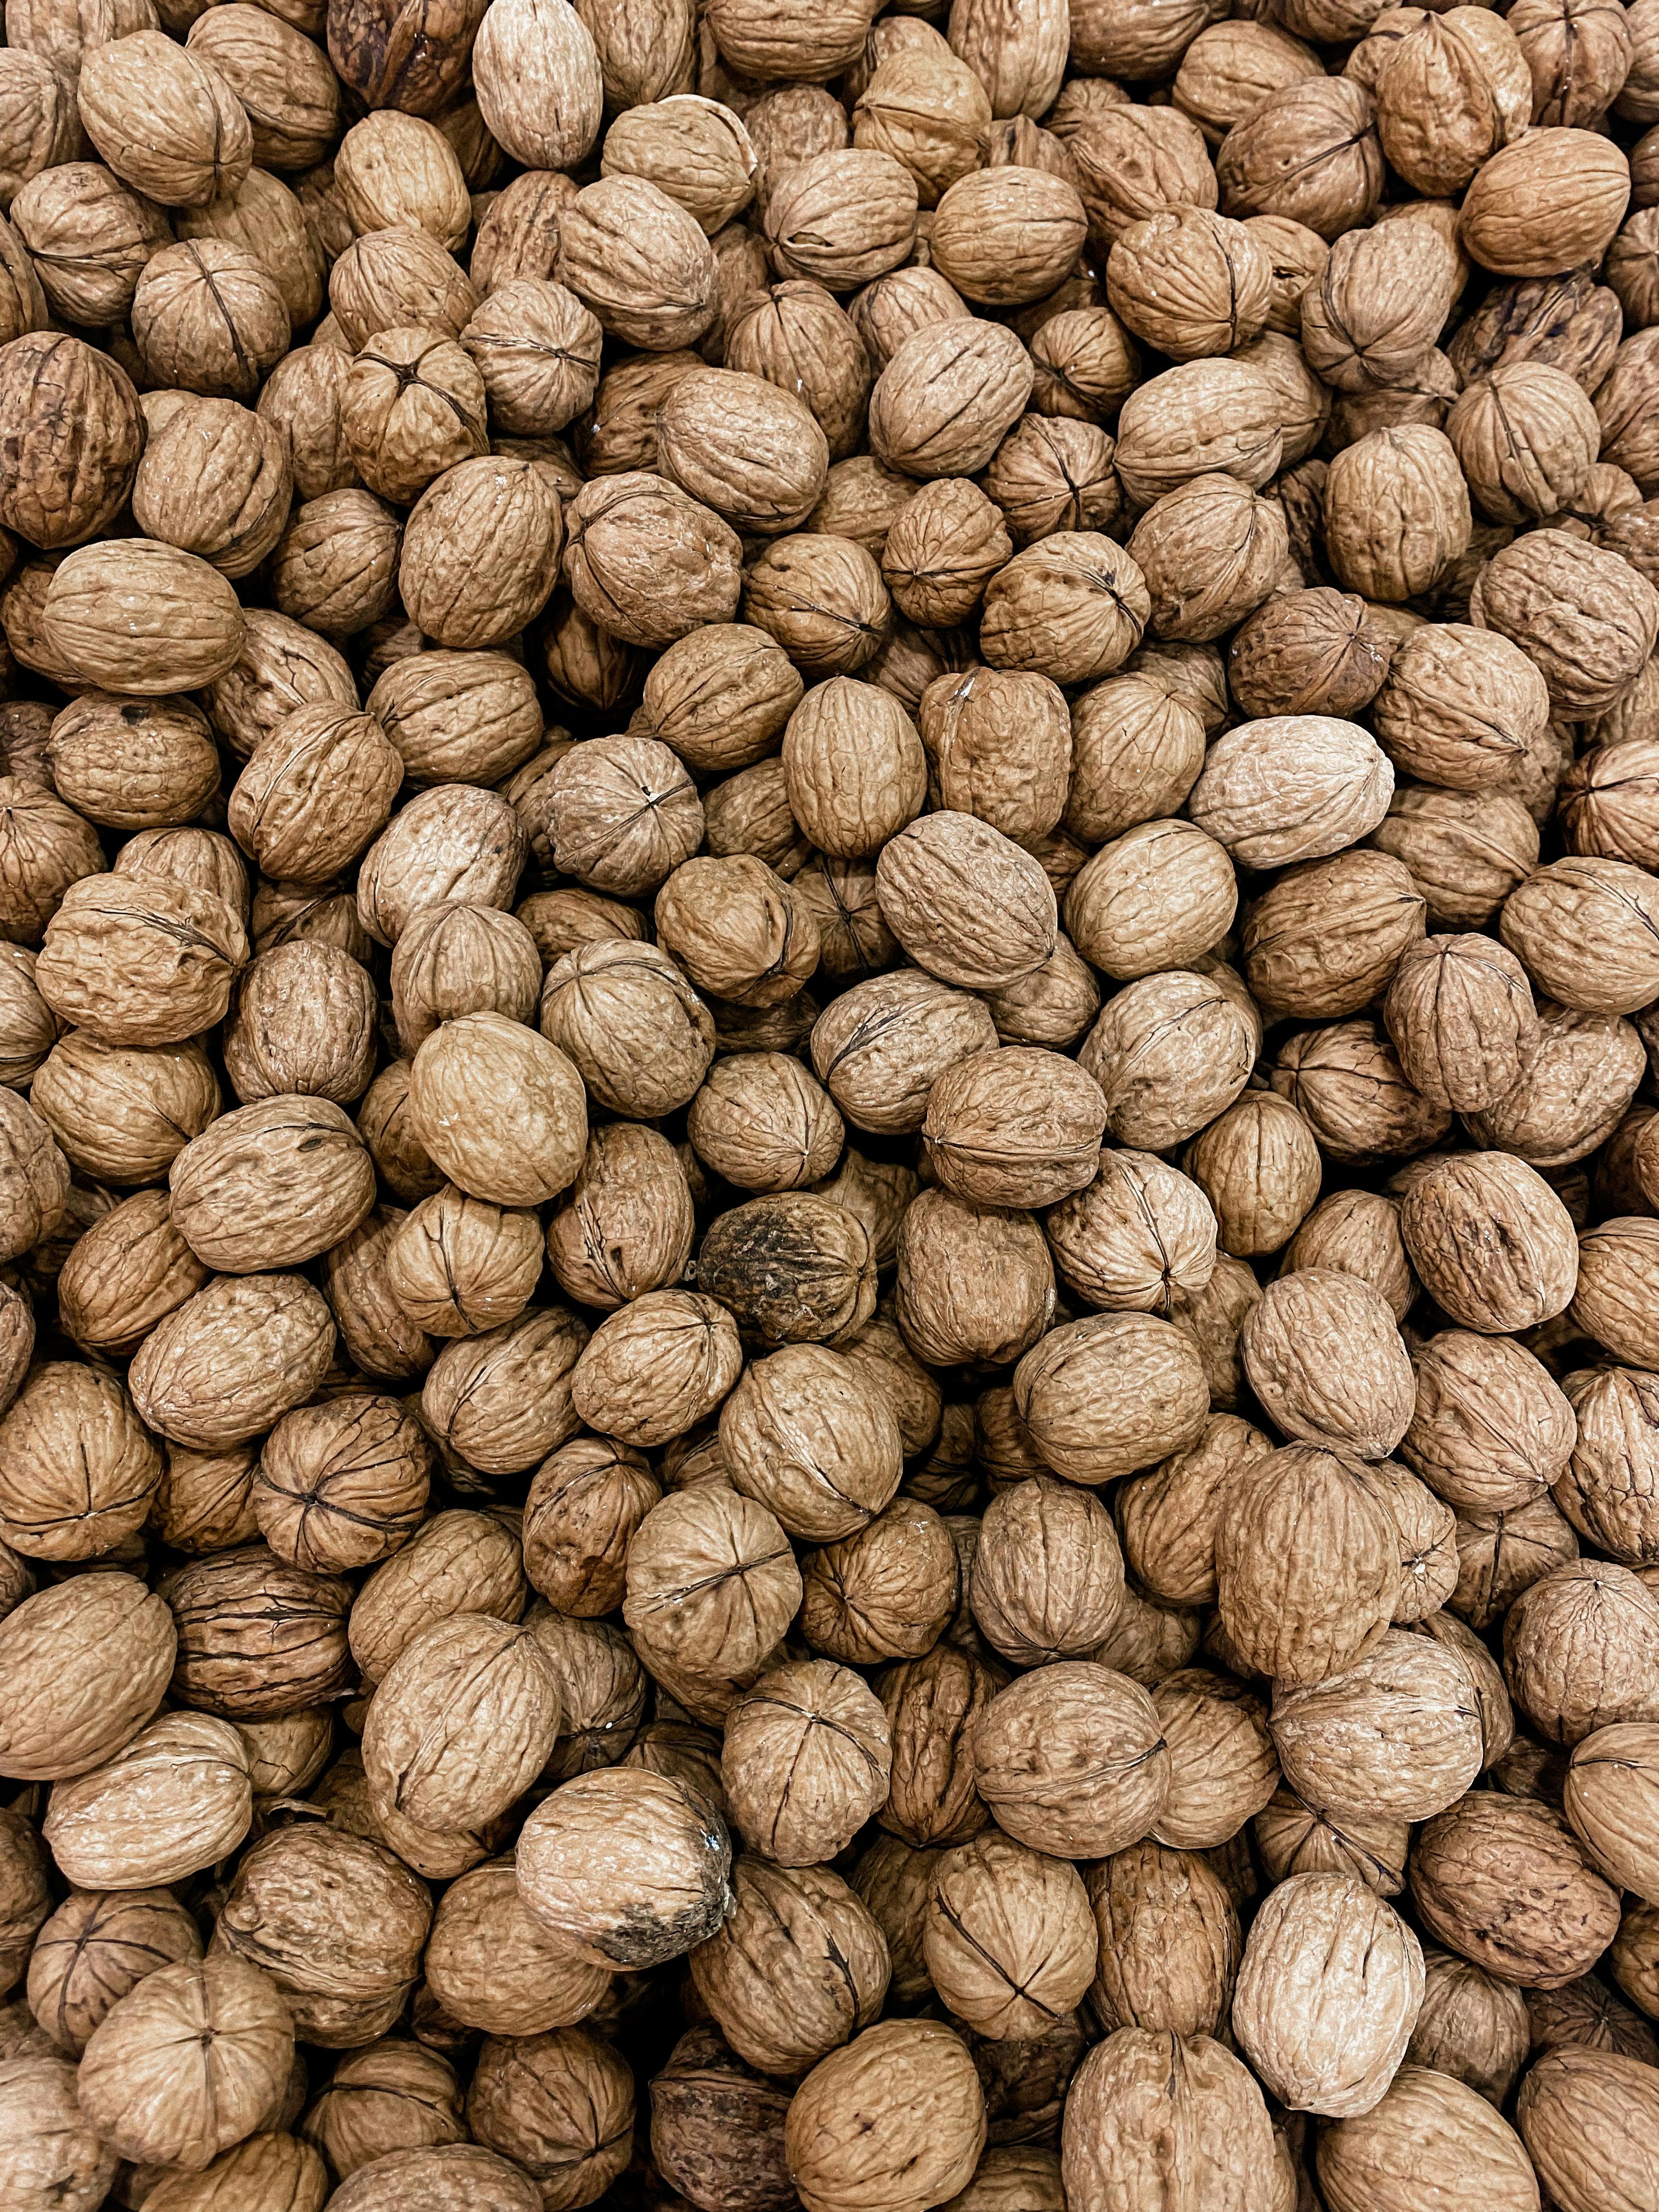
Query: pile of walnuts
x,y
829,1106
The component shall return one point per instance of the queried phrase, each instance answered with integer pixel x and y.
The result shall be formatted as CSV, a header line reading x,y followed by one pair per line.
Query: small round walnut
x,y
897,2116
342,1485
96,1947
807,1437
821,597
888,1592
1317,651
883,1044
655,1367
1379,304
1577,1649
1071,1760
412,406
806,1762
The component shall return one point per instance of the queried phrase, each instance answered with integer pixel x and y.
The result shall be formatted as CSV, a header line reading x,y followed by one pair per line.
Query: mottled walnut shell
x,y
1491,1241
1577,1649
1308,152
178,1798
1503,1881
232,1359
1140,2095
667,1856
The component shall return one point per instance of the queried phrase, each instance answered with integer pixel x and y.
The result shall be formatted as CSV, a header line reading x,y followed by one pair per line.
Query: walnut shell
x,y
1144,2108
1558,1914
806,1761
900,2109
232,1359
1491,1241
798,1967
667,1857
1042,1764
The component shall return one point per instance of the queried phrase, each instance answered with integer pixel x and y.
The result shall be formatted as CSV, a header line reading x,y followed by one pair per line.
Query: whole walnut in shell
x,y
925,2126
663,1886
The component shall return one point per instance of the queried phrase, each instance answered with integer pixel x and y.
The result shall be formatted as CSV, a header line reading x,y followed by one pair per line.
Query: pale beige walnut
x,y
1292,787
164,120
1396,510
136,617
765,1123
1336,2050
1016,1128
77,1469
398,278
1473,2028
821,599
1428,2125
659,1886
1071,1759
390,2094
1586,2117
492,1966
232,1359
458,1562
89,237
807,1437
1205,417
393,169
343,1486
1503,1881
480,551
929,110
1545,202
176,1799
462,1723
1307,1565
1210,551
1108,1395
1379,304
1190,283
1397,1737
530,1147
854,768
1577,1646
800,1965
626,1226
1491,1241
271,1185
806,1761
1491,1430
412,405
655,1367
1169,1942
1294,1838
281,77
899,2112
1147,2113
1258,1166
965,901
1526,437
1606,1491
1229,70
1586,616
217,480
336,1922
1133,162
96,1947
639,262
711,1583
502,1400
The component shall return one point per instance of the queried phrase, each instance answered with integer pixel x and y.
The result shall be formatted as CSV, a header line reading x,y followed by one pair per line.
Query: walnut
x,y
899,2111
188,2062
806,1761
843,217
1047,1575
1307,1565
1315,653
1138,2094
176,1799
717,2124
1491,1430
1491,1241
1582,2114
1016,1128
664,1887
479,551
800,1965
1292,787
1326,937
96,1947
1204,417
887,1592
456,1562
1168,1517
929,110
1561,1914
947,396
1338,2058
711,1583
1545,202
1039,1765
1222,1767
232,1359
1309,152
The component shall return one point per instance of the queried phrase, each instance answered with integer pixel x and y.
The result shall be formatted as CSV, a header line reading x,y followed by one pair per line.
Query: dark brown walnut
x,y
665,1865
1503,1881
792,1268
1317,651
337,1924
711,1583
717,2128
798,1967
257,1637
232,1359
